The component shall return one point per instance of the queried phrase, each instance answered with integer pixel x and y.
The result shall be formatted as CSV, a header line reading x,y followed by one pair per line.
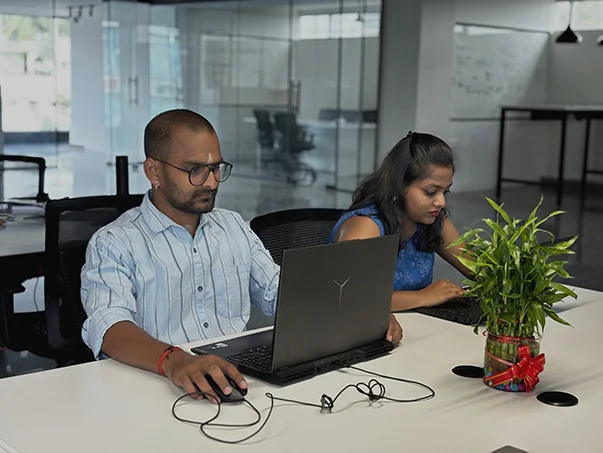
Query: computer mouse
x,y
237,394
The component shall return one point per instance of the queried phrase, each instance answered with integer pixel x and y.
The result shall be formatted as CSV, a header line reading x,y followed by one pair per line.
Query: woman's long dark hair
x,y
411,159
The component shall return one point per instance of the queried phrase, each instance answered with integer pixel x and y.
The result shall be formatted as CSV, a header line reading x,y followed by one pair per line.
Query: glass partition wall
x,y
35,91
289,85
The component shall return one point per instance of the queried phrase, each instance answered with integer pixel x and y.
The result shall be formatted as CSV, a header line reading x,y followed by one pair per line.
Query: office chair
x,y
70,223
369,116
351,116
41,196
295,228
328,114
292,140
265,129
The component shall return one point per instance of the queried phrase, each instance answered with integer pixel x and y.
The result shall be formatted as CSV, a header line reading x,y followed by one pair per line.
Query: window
x,y
335,26
586,15
35,73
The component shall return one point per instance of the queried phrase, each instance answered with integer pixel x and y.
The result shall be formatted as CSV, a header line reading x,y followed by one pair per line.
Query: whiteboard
x,y
494,66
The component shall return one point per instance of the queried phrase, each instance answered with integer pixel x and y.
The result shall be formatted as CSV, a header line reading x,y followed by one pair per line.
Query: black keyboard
x,y
259,358
462,311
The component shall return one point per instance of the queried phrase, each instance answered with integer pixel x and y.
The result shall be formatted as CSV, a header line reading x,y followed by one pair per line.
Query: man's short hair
x,y
158,133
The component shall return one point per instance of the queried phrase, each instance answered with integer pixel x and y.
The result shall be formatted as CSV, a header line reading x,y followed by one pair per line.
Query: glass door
x,y
127,84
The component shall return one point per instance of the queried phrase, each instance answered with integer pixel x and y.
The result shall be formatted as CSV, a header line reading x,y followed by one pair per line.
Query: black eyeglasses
x,y
199,173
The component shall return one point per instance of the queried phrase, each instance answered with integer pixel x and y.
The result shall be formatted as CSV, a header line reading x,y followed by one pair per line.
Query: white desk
x,y
109,407
22,238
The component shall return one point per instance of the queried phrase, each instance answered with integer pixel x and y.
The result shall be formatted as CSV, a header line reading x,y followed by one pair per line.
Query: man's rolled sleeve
x,y
96,326
107,292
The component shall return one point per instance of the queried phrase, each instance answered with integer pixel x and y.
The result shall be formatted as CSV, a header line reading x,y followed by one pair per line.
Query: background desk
x,y
109,407
551,112
22,238
21,252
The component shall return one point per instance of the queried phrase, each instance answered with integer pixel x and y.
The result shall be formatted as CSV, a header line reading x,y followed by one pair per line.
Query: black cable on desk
x,y
373,390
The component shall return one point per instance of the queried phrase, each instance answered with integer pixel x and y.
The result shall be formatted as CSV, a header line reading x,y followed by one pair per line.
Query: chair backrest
x,y
264,126
41,196
70,223
295,228
328,114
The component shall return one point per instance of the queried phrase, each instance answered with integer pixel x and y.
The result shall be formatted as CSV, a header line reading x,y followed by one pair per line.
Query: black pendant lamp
x,y
569,36
600,40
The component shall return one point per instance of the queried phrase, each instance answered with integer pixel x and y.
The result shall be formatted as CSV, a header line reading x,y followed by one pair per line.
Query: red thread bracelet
x,y
166,353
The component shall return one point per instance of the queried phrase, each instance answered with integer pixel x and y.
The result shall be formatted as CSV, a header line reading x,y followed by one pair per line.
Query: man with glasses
x,y
175,270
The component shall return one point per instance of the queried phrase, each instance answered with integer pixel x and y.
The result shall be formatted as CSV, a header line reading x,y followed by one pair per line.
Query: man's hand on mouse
x,y
394,331
186,371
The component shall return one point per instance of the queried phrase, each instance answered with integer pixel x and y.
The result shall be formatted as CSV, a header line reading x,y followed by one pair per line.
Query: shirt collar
x,y
157,220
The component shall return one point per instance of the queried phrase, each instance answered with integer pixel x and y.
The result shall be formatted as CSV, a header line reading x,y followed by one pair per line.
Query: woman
x,y
407,195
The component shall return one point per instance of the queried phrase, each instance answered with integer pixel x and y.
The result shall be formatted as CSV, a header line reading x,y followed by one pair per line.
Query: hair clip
x,y
409,134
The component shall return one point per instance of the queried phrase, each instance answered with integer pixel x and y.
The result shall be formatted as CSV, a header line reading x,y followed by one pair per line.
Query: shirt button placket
x,y
198,275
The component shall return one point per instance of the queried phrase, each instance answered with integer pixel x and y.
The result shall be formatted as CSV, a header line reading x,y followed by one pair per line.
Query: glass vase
x,y
501,353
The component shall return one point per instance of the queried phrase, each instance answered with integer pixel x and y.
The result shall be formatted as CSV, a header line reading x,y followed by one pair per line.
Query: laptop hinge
x,y
339,361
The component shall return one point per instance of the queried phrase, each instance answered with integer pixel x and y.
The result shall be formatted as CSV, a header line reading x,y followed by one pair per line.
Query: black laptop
x,y
333,310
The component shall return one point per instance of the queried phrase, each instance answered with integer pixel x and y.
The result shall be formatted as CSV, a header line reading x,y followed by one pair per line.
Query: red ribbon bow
x,y
527,368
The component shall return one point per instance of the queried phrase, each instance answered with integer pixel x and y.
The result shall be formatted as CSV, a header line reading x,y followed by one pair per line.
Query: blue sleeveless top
x,y
414,269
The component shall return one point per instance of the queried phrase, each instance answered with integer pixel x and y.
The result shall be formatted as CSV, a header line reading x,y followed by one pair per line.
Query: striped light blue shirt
x,y
147,269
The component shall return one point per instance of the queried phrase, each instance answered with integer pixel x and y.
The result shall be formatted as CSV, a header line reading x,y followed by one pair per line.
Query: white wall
x,y
528,146
434,87
575,78
417,57
528,14
399,71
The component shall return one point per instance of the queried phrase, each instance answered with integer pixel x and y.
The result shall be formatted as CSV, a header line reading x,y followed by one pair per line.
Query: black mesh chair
x,y
292,140
295,228
70,223
41,196
265,129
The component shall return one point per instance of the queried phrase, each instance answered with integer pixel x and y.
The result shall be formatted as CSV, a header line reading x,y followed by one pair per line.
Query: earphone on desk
x,y
373,390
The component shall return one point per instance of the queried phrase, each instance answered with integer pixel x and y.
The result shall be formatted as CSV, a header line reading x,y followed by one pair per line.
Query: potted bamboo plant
x,y
514,281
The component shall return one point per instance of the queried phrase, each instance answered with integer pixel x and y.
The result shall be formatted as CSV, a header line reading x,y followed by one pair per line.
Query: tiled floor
x,y
79,174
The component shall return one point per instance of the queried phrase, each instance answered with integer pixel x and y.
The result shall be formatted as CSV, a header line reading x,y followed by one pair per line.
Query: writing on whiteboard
x,y
496,66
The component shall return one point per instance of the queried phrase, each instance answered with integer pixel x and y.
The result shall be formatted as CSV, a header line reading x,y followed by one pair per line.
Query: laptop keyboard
x,y
259,358
462,311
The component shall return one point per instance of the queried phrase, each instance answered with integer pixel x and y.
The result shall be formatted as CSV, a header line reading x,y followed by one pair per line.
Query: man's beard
x,y
194,205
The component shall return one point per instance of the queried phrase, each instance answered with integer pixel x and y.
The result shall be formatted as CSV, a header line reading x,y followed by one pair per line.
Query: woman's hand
x,y
394,331
439,292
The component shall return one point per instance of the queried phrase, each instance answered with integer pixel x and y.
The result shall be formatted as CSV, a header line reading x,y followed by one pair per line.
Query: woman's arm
x,y
449,235
364,228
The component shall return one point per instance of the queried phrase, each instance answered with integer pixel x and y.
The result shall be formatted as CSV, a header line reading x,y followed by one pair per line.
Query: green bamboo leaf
x,y
499,208
553,298
507,286
563,289
551,215
555,317
518,233
469,264
465,236
539,313
535,210
540,230
566,244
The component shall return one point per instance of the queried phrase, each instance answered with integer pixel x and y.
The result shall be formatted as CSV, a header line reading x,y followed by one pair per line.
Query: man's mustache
x,y
206,192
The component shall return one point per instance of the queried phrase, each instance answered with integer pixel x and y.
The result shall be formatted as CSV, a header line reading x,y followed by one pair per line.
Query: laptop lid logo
x,y
341,286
